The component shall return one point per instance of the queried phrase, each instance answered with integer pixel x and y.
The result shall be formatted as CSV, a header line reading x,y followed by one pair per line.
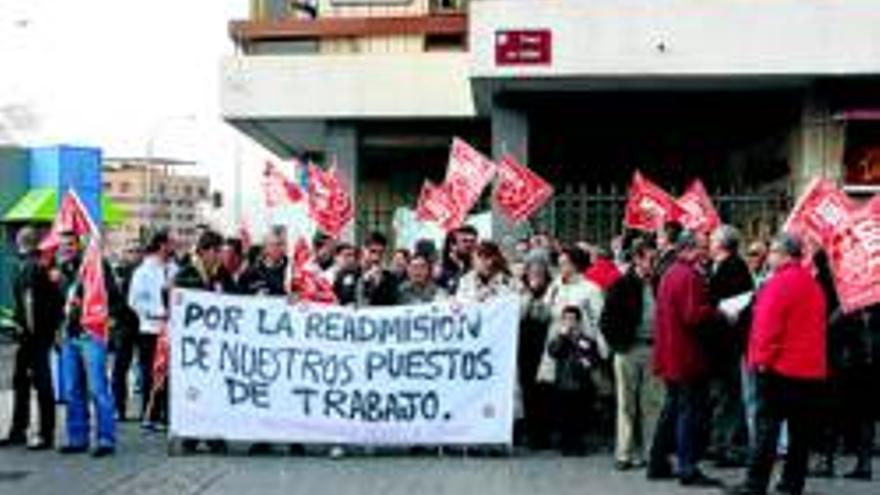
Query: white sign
x,y
259,369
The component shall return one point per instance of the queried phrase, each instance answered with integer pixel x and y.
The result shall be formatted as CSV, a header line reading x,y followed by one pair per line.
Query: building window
x,y
108,186
125,187
203,193
187,190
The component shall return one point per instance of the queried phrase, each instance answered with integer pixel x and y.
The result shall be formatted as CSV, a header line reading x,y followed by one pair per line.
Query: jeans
x,y
32,370
781,398
679,428
750,402
84,367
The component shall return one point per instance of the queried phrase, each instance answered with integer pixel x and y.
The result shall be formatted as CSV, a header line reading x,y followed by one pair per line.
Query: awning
x,y
41,204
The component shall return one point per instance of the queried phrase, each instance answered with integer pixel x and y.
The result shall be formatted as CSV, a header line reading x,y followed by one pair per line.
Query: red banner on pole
x,y
95,316
278,189
73,217
436,204
648,206
468,174
698,213
855,257
330,205
519,192
304,281
819,212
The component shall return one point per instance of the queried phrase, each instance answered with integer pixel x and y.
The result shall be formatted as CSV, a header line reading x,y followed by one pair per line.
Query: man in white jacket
x,y
148,297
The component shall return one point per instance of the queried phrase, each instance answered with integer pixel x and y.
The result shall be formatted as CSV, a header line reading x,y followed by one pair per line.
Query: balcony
x,y
284,27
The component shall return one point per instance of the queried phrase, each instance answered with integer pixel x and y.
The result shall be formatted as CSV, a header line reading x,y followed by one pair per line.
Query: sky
x,y
120,74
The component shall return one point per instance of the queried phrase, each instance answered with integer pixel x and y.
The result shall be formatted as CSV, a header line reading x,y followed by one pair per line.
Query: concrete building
x,y
154,195
753,96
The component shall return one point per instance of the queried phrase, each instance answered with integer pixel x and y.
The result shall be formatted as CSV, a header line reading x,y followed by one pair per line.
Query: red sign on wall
x,y
524,47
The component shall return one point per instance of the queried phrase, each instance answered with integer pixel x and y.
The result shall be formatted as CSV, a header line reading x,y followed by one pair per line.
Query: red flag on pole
x,y
855,257
95,307
698,213
820,211
330,205
278,189
469,172
305,281
73,217
436,204
648,206
519,192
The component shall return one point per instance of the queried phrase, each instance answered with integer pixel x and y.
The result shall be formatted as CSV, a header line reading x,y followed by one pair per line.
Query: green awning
x,y
41,204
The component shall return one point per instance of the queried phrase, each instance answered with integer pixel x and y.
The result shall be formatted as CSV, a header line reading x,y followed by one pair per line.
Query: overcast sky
x,y
118,73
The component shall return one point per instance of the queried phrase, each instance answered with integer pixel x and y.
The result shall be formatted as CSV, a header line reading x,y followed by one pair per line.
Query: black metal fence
x,y
585,212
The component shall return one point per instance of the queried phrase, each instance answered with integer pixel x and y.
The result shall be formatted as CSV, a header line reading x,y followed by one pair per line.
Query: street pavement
x,y
142,466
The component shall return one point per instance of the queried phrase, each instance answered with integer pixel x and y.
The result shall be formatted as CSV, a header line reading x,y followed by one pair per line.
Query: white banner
x,y
259,369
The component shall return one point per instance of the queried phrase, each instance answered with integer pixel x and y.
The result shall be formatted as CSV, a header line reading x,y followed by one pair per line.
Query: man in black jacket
x,y
627,324
268,275
38,325
730,277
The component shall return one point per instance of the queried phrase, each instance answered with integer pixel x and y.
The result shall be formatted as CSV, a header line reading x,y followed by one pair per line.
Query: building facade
x,y
753,97
154,196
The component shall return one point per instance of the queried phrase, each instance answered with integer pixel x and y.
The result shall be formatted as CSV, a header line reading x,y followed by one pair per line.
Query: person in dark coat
x,y
684,310
234,268
576,355
730,277
124,333
667,242
203,273
627,323
379,286
37,312
458,253
268,275
534,324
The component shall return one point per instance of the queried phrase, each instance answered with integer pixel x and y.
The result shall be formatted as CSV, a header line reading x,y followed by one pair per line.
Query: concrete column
x,y
816,145
342,150
510,135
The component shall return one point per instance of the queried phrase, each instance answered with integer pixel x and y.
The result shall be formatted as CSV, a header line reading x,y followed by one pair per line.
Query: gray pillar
x,y
816,145
510,135
342,150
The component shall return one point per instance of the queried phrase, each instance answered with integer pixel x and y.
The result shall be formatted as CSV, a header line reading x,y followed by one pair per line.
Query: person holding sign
x,y
489,278
420,288
203,273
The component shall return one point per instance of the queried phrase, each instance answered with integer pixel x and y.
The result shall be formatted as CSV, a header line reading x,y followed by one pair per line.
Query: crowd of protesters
x,y
639,332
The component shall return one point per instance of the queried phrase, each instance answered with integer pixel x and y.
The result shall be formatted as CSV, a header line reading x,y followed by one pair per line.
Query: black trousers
x,y
146,356
574,410
32,370
680,428
125,345
783,399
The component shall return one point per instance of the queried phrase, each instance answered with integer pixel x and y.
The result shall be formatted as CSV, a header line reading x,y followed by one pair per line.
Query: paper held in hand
x,y
732,307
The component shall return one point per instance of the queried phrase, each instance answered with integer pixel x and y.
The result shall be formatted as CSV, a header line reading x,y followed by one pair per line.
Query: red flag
x,y
330,205
278,189
649,206
73,217
469,172
305,281
95,312
519,192
855,257
437,205
820,210
698,212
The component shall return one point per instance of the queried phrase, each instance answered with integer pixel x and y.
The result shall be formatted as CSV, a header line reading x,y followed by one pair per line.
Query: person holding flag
x,y
91,296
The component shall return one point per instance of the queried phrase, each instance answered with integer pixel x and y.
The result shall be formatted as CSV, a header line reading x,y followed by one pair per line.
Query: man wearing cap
x,y
37,303
787,352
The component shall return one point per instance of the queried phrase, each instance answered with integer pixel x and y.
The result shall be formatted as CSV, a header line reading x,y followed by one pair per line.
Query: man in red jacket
x,y
787,351
683,310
